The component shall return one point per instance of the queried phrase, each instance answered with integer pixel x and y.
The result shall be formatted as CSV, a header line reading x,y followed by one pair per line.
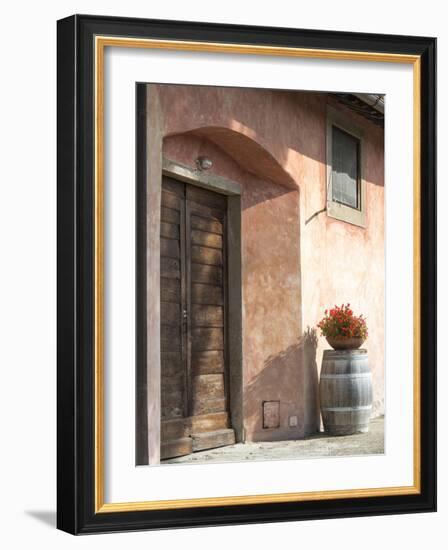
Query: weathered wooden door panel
x,y
172,332
193,320
208,362
206,215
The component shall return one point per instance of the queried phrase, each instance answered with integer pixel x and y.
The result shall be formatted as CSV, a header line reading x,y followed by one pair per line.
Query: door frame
x,y
233,329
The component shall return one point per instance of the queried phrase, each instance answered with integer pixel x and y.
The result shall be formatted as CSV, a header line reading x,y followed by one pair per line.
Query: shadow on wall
x,y
311,381
257,191
291,378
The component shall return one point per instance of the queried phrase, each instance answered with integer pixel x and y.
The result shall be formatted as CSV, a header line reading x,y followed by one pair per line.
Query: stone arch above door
x,y
247,153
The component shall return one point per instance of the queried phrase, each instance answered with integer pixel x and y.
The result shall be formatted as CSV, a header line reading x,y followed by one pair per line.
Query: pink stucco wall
x,y
296,261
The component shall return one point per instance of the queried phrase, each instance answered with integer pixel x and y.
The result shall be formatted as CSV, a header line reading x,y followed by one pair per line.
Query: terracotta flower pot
x,y
345,343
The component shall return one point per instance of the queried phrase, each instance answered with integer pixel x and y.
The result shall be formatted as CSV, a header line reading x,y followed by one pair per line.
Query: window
x,y
345,168
345,188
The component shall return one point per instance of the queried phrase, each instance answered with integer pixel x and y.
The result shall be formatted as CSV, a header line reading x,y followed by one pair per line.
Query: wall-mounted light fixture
x,y
204,163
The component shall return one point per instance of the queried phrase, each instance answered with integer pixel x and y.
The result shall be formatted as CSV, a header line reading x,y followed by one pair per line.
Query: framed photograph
x,y
246,274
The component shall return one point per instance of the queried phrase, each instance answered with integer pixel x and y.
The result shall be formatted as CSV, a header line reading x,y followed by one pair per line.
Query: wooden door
x,y
194,394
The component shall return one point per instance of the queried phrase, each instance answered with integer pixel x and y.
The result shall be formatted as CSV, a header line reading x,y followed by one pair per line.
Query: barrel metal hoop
x,y
343,360
344,376
347,409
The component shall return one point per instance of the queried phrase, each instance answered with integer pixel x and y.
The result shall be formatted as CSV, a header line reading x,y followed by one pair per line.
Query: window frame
x,y
337,210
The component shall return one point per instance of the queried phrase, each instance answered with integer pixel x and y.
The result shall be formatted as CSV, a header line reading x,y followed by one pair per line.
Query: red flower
x,y
340,321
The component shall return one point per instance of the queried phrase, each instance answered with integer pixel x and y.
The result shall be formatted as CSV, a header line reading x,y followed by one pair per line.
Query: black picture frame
x,y
76,510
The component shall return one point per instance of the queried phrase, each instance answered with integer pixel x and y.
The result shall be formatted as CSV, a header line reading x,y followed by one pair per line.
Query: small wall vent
x,y
271,414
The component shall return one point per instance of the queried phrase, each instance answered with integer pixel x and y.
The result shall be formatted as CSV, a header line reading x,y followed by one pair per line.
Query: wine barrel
x,y
345,391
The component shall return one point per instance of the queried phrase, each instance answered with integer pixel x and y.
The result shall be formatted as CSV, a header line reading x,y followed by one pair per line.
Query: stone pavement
x,y
318,446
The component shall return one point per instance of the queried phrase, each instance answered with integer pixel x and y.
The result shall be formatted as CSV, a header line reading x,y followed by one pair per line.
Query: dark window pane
x,y
345,168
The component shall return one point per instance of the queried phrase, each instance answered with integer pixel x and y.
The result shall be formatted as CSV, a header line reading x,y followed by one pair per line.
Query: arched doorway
x,y
254,390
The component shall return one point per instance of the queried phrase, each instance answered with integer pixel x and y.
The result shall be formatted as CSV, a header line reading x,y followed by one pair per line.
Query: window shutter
x,y
345,162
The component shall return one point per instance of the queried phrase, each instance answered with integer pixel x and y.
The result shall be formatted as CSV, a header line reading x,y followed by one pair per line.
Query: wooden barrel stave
x,y
345,390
